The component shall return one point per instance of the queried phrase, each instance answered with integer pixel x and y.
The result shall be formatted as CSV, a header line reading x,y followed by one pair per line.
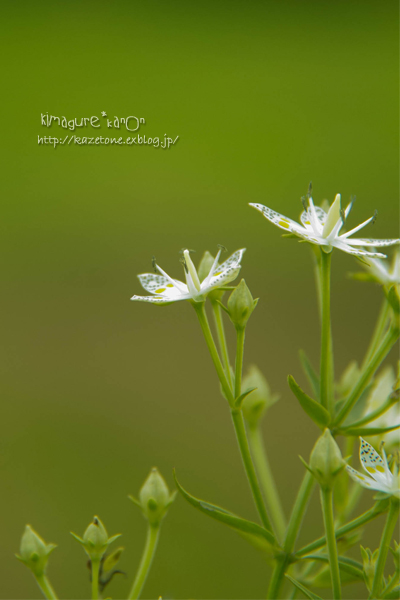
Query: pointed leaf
x,y
303,589
310,373
366,431
394,299
348,565
226,517
393,594
318,413
239,401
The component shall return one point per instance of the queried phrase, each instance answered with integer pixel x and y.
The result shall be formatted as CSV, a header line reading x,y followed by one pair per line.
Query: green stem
x,y
327,510
384,547
360,521
295,520
379,330
240,334
386,344
46,587
219,325
326,375
145,563
267,480
201,314
95,579
238,423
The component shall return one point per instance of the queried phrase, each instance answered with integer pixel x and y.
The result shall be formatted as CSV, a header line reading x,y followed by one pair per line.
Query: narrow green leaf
x,y
365,431
226,517
348,565
315,411
394,299
393,594
239,401
303,589
310,373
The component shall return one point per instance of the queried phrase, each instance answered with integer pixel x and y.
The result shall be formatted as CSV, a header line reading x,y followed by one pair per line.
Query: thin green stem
x,y
360,521
267,481
240,335
379,330
327,510
145,563
46,587
201,314
219,325
326,375
238,423
384,547
292,531
237,416
385,346
95,579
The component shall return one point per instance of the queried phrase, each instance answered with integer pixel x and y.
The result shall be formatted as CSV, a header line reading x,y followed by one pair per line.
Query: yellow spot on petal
x,y
371,469
307,222
160,291
380,469
169,285
218,273
284,224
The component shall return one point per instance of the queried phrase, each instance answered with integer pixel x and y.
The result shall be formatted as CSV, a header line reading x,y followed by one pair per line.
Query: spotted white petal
x,y
375,466
363,480
355,251
305,217
153,299
233,261
157,284
223,278
369,242
282,221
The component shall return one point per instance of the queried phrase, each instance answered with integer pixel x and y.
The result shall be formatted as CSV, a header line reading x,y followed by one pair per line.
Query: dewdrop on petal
x,y
34,552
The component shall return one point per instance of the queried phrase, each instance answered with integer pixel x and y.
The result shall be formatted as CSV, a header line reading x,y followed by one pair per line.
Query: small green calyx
x,y
326,460
34,552
369,560
260,399
95,540
240,305
154,498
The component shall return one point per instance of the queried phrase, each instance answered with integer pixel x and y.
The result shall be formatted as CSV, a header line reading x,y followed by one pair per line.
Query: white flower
x,y
384,272
381,477
323,229
166,289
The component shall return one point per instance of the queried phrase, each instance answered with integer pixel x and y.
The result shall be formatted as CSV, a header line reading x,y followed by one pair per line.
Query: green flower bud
x,y
154,498
258,401
326,460
240,305
95,539
396,555
34,552
369,561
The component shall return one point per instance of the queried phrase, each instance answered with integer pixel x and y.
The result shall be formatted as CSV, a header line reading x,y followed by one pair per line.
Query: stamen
x,y
374,217
154,264
343,215
304,203
183,262
309,191
222,248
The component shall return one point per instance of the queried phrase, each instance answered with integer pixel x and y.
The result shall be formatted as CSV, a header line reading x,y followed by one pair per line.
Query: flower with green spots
x,y
379,476
323,229
166,290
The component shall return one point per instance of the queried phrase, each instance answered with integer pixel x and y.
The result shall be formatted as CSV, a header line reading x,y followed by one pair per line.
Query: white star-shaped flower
x,y
384,272
379,476
166,289
323,229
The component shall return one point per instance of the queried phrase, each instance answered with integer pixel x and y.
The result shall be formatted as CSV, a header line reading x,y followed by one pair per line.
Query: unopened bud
x,y
34,552
326,460
95,539
155,497
240,305
369,561
258,401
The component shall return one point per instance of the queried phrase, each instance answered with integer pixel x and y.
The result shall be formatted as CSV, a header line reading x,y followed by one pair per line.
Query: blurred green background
x,y
95,389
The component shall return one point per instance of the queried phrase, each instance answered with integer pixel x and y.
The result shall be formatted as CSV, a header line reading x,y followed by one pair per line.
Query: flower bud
x,y
257,402
240,305
95,539
369,561
34,552
155,497
326,460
